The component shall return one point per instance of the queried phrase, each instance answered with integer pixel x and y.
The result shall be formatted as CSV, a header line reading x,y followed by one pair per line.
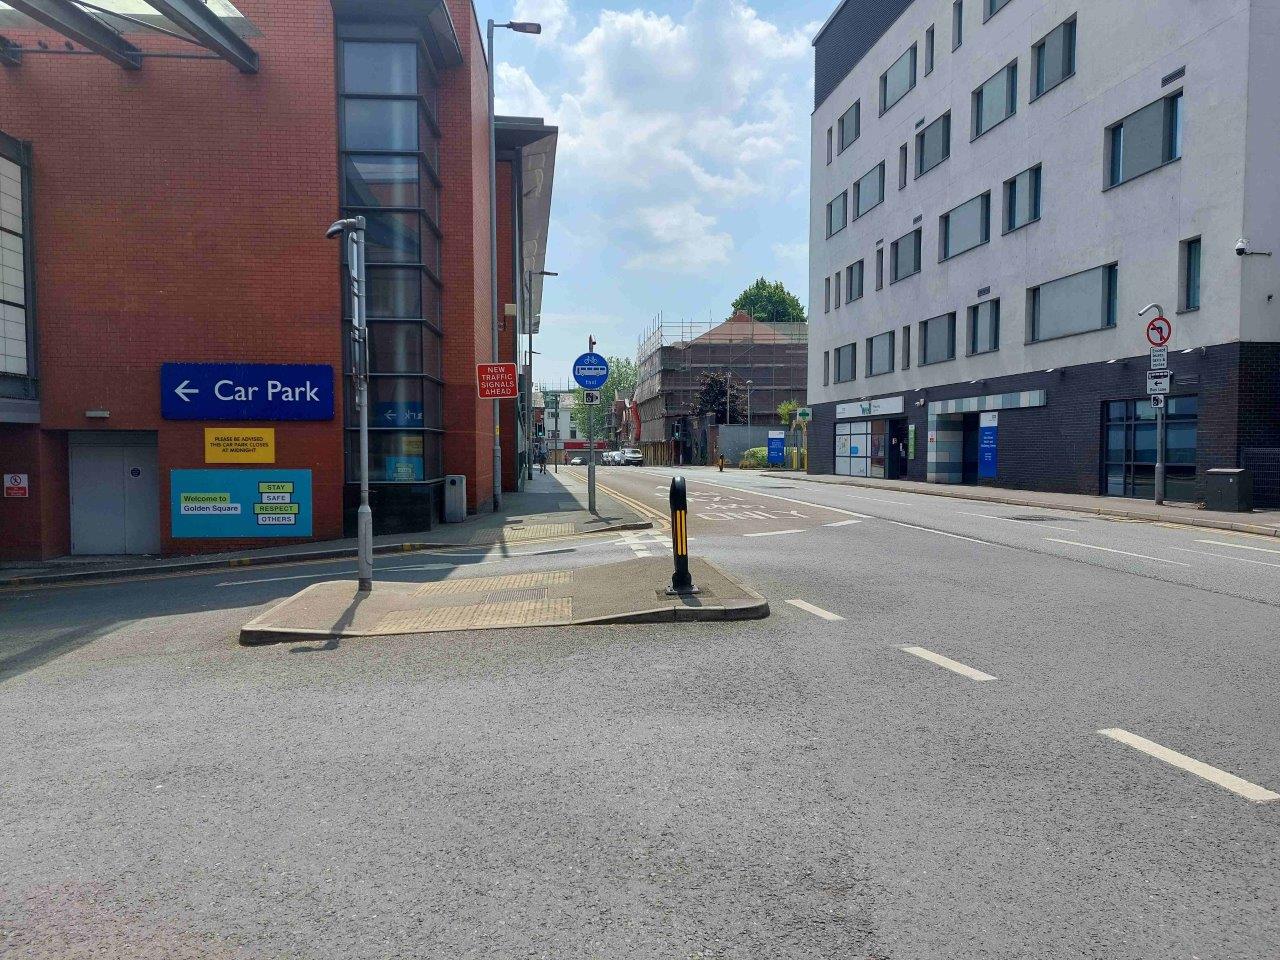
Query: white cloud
x,y
677,237
706,110
554,15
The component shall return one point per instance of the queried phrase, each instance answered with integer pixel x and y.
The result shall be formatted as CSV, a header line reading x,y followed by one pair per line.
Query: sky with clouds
x,y
682,165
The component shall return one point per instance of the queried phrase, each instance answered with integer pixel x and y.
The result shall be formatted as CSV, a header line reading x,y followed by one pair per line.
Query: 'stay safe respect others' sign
x,y
230,445
240,503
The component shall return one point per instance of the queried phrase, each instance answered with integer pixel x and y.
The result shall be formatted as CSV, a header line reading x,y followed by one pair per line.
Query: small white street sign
x,y
592,397
1158,381
1159,358
1157,402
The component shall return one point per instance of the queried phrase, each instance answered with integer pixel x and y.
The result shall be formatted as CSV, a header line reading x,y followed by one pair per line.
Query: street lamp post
x,y
749,382
528,319
352,230
518,27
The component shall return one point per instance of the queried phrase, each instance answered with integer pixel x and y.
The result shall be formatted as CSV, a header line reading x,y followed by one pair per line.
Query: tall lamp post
x,y
749,382
528,404
352,231
518,27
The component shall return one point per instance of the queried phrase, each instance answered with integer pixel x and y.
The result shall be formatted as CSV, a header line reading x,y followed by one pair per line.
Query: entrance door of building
x,y
972,454
115,493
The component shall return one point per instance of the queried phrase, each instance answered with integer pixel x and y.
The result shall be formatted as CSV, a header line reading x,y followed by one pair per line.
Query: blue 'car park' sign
x,y
246,391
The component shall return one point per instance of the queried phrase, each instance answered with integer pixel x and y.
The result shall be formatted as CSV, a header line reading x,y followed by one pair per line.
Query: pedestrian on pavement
x,y
542,461
721,463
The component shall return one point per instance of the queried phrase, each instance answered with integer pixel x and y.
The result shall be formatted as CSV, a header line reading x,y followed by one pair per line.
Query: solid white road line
x,y
816,611
841,523
771,533
1125,553
1238,546
943,533
1225,556
948,663
1250,791
1039,526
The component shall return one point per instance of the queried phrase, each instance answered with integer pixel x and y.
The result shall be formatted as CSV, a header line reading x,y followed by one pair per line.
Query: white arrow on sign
x,y
184,389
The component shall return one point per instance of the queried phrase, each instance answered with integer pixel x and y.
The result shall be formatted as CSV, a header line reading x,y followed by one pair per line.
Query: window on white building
x,y
1076,304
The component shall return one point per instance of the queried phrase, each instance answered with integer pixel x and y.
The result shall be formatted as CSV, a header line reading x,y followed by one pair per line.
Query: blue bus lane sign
x,y
246,391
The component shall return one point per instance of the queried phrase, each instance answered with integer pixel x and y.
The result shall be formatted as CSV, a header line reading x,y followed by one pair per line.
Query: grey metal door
x,y
114,498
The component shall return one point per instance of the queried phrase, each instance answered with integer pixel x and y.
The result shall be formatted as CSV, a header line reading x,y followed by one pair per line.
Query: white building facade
x,y
998,187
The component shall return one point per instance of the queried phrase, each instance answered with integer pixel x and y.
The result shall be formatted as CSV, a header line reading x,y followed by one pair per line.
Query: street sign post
x,y
1159,333
246,391
590,371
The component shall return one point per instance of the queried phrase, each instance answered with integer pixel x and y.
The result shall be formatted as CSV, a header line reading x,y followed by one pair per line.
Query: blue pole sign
x,y
777,447
590,371
233,504
246,391
987,426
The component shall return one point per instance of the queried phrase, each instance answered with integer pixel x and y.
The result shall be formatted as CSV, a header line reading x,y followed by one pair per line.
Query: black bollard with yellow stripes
x,y
681,581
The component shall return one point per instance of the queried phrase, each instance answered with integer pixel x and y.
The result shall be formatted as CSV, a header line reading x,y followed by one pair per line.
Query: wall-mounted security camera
x,y
1242,249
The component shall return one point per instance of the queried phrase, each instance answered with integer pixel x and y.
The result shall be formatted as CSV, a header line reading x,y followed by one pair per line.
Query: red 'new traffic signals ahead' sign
x,y
1159,331
497,381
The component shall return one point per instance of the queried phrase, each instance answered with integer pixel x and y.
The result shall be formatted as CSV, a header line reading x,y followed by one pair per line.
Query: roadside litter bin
x,y
1229,489
455,498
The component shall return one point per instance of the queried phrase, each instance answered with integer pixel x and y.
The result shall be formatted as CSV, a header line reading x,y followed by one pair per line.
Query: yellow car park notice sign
x,y
239,445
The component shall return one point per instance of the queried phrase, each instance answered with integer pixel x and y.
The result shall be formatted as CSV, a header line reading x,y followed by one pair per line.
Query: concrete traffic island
x,y
633,591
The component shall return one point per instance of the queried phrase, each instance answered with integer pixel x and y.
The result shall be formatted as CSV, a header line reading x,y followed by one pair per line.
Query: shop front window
x,y
1130,449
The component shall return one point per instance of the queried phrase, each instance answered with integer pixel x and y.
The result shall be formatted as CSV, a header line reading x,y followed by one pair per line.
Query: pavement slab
x,y
632,591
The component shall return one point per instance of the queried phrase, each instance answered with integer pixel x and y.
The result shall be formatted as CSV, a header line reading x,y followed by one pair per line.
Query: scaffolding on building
x,y
672,358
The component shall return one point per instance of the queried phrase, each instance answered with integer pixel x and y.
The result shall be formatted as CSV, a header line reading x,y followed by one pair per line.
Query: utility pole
x,y
352,231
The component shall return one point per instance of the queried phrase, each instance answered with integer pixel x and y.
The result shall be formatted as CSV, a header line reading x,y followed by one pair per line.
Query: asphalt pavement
x,y
966,730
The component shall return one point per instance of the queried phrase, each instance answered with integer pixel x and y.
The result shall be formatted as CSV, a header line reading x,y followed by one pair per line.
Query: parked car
x,y
631,457
575,462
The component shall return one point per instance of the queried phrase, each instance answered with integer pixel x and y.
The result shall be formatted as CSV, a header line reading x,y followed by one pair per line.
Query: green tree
x,y
787,411
711,399
621,383
770,302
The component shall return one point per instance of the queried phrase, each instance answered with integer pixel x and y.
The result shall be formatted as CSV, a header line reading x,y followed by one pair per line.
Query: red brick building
x,y
166,202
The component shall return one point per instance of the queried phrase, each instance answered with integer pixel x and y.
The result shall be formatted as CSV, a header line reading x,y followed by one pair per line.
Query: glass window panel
x,y
937,339
393,238
1180,484
905,256
430,301
1116,434
1191,290
379,67
853,281
1022,199
394,456
1116,409
850,125
395,292
957,24
396,347
870,190
1180,441
1183,406
1144,136
380,125
1055,57
880,354
984,327
394,402
897,81
995,100
1144,442
1074,304
933,144
432,355
433,404
376,181
966,227
1115,480
837,214
993,7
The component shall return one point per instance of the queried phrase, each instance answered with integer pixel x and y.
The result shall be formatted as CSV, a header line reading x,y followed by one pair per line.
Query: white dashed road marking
x,y
1224,556
771,533
1124,553
952,665
841,523
943,533
1238,546
1229,781
816,611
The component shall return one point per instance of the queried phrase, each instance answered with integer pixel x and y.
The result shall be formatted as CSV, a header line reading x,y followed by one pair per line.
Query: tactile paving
x,y
515,581
527,613
533,531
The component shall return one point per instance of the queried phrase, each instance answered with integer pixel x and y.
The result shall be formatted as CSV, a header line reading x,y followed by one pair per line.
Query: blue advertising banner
x,y
246,391
987,446
232,504
777,447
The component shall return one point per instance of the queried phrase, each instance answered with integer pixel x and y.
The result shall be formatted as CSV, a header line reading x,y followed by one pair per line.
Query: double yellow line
x,y
658,516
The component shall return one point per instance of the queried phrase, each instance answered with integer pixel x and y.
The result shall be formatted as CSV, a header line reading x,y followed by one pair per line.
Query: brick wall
x,y
465,255
179,215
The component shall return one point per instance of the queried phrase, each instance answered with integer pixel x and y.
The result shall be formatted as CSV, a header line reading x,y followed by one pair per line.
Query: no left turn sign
x,y
1159,331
